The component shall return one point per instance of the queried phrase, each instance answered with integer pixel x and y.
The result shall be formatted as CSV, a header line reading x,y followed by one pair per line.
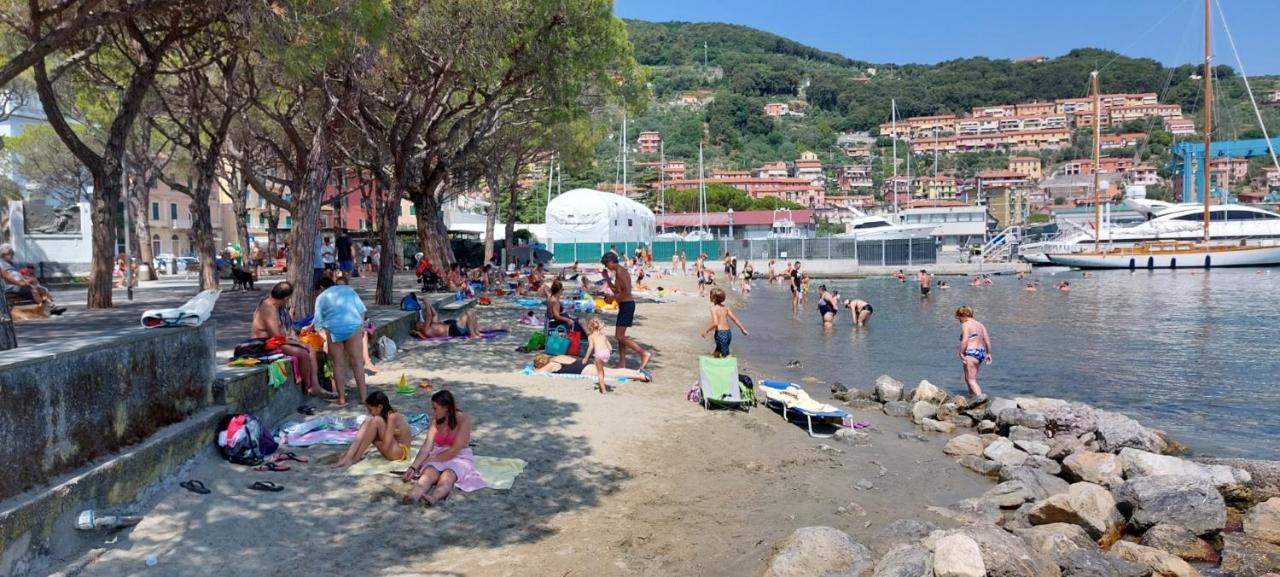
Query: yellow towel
x,y
499,473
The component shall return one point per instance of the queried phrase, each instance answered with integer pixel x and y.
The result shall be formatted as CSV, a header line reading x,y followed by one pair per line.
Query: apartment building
x,y
674,170
993,178
935,187
1272,176
852,177
809,167
1143,174
1035,109
997,111
1028,166
169,218
1180,126
1235,169
1084,166
1126,140
776,109
731,174
1115,116
776,169
649,142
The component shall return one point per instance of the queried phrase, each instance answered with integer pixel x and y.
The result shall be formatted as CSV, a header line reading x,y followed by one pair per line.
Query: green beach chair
x,y
719,385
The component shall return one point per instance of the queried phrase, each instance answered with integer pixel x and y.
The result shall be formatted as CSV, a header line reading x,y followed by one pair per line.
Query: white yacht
x,y
1166,222
876,227
784,226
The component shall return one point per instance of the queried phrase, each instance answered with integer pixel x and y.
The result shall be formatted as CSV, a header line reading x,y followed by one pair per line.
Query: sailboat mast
x,y
662,183
1097,163
1208,116
624,154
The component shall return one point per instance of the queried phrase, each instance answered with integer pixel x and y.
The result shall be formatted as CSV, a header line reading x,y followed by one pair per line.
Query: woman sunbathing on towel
x,y
445,459
567,365
464,326
385,428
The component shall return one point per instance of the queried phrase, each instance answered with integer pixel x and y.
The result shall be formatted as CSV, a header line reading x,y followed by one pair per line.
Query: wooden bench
x,y
17,300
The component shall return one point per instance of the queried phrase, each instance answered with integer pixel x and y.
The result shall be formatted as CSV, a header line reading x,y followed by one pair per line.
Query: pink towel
x,y
462,465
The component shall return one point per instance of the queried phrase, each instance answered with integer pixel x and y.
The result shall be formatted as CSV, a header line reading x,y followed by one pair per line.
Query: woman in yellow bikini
x,y
385,429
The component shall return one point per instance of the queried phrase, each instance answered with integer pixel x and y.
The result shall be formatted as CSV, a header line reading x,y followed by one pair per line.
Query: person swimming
x,y
942,285
1064,286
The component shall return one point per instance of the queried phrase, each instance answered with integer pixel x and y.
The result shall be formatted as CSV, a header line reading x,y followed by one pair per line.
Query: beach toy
x,y
404,388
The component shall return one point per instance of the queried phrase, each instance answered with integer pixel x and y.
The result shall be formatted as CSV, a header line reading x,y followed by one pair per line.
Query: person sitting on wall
x,y
271,319
25,287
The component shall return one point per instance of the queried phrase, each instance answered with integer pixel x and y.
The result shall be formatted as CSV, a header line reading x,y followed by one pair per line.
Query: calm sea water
x,y
1194,353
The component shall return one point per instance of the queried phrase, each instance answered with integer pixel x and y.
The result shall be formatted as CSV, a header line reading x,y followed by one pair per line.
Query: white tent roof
x,y
586,215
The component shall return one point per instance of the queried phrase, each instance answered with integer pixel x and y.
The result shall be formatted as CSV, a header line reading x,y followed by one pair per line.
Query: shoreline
x,y
636,482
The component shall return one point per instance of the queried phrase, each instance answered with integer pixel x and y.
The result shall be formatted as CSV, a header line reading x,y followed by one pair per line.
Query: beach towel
x,y
485,335
494,472
278,373
499,473
796,398
193,313
333,430
528,370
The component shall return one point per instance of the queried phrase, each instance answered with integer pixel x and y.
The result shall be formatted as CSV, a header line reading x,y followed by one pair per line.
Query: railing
x,y
1001,245
865,252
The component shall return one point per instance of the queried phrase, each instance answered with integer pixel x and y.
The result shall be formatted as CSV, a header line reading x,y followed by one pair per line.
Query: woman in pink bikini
x,y
445,460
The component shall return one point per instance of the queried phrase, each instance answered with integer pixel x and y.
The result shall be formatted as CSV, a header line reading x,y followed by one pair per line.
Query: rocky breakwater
x,y
1080,491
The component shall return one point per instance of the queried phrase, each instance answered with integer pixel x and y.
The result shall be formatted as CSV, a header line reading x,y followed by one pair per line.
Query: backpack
x,y
243,440
410,302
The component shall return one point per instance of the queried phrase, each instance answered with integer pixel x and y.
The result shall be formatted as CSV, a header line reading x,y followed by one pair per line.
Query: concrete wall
x,y
69,403
60,254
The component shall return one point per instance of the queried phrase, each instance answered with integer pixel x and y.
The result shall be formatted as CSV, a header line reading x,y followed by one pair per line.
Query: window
x,y
288,221
413,210
155,211
629,223
262,220
173,211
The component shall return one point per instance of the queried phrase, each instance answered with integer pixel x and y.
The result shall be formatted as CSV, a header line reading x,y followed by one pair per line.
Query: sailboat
x,y
1204,253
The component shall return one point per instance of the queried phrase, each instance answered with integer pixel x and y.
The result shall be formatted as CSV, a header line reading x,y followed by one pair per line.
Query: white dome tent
x,y
583,215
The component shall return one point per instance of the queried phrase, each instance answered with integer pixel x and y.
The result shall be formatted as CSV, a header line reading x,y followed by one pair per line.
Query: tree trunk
x,y
513,205
491,212
273,232
8,336
433,234
387,216
142,222
202,227
103,203
306,223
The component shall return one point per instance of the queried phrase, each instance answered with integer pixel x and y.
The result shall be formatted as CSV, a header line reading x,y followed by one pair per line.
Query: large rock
x,y
1114,431
1017,417
1003,451
1098,564
1040,483
921,410
820,551
1263,521
897,408
1045,464
1161,564
1008,556
888,389
1038,404
937,426
1064,445
980,464
1057,540
905,561
1191,502
999,405
1008,495
1265,475
1098,468
958,555
898,533
987,426
1136,463
962,445
1033,447
1085,504
1244,556
1180,541
928,393
1021,433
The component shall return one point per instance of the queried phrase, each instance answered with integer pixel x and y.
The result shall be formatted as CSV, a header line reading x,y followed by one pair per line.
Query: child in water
x,y
598,349
720,317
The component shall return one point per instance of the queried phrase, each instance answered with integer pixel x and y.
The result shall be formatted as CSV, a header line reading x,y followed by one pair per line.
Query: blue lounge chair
x,y
791,398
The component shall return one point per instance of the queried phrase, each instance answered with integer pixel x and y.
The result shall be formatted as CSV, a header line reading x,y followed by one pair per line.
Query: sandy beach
x,y
636,482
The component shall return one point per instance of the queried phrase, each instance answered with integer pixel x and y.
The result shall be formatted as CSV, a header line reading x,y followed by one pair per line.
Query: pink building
x,y
649,142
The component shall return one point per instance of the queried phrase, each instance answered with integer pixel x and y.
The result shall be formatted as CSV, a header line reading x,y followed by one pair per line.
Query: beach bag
x,y
536,341
386,348
557,342
250,348
410,302
575,343
243,440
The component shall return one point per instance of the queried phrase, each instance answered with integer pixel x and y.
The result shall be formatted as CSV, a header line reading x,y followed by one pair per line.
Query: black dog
x,y
241,279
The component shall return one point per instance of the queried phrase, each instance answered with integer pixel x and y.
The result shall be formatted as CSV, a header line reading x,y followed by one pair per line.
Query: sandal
x,y
266,486
271,467
195,487
306,410
291,456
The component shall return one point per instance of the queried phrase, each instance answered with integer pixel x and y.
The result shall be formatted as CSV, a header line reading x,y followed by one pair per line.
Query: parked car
x,y
161,263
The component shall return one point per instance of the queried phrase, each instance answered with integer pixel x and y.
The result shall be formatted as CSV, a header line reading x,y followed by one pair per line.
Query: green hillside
x,y
747,68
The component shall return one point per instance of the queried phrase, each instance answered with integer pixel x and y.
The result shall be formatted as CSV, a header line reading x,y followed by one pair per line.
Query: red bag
x,y
575,344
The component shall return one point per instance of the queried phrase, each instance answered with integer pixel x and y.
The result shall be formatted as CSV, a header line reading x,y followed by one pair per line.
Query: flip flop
x,y
266,486
272,467
291,456
306,410
195,487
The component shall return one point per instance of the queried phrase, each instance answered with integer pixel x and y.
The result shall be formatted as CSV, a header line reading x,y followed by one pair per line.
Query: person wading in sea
x,y
925,281
796,282
975,348
618,280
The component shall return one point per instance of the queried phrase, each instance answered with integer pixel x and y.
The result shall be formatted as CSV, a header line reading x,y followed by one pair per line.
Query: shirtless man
x,y
271,319
619,281
464,326
861,311
925,281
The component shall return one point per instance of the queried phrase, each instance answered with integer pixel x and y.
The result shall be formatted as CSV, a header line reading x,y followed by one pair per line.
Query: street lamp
x,y
730,223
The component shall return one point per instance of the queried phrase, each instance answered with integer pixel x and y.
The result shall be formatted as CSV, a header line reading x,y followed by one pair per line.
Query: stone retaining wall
x,y
69,403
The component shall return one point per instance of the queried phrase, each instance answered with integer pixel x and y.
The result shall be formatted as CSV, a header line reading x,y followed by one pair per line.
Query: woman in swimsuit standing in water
x,y
975,348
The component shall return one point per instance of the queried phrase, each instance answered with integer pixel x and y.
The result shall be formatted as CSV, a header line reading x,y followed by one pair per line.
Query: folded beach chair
x,y
790,398
719,384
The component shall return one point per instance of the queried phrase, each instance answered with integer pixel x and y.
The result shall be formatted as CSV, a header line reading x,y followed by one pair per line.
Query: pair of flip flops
x,y
291,456
271,466
306,410
198,487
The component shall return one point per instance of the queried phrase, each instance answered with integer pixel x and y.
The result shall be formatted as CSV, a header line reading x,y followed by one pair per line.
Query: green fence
x,y
868,252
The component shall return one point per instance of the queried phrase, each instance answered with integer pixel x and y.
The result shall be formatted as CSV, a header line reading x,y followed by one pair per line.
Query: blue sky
x,y
927,31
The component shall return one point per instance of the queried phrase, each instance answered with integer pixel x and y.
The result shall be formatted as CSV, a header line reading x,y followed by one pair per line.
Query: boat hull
x,y
1253,256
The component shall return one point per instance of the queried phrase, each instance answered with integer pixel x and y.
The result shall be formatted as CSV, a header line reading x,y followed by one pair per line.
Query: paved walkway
x,y
233,313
